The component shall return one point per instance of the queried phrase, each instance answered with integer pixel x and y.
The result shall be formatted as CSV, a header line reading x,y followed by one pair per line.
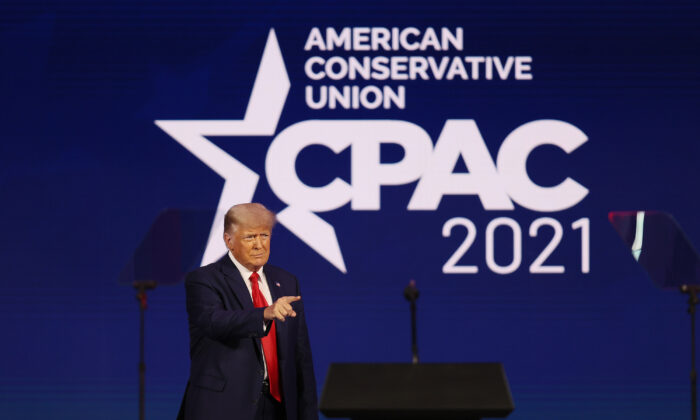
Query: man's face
x,y
250,245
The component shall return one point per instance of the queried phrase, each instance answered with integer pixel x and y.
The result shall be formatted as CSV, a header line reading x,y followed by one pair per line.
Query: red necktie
x,y
269,342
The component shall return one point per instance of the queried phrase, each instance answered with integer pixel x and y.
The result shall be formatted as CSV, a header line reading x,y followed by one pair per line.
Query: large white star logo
x,y
261,117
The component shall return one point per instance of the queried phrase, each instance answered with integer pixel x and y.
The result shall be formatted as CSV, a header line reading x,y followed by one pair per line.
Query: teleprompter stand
x,y
692,292
172,246
141,288
436,391
660,246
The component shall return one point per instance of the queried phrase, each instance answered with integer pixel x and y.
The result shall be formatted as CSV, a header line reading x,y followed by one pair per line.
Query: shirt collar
x,y
245,273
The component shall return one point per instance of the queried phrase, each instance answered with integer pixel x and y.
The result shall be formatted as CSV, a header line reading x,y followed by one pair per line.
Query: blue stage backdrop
x,y
475,147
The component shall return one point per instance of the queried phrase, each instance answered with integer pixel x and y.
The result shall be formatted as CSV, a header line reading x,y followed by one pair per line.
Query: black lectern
x,y
435,391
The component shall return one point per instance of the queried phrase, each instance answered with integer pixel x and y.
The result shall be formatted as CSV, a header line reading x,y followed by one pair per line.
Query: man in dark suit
x,y
249,345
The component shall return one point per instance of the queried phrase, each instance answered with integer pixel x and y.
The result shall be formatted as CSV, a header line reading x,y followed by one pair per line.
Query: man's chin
x,y
260,261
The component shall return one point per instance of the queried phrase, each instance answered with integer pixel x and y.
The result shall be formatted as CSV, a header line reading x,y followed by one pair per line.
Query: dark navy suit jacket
x,y
227,370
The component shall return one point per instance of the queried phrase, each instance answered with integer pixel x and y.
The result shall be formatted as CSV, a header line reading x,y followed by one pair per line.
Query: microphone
x,y
411,295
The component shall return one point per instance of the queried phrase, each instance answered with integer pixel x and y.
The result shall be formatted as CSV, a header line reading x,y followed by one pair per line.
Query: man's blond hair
x,y
248,214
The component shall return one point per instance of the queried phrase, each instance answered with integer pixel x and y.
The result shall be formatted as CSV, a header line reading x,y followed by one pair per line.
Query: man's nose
x,y
257,243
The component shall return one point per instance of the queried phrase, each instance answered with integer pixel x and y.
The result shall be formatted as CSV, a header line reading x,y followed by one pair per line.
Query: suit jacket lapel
x,y
272,284
276,293
239,290
235,282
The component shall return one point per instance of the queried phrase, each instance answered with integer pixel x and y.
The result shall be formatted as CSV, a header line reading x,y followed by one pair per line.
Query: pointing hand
x,y
281,309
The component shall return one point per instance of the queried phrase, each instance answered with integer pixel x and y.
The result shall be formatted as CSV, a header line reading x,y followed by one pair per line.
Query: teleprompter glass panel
x,y
658,243
172,247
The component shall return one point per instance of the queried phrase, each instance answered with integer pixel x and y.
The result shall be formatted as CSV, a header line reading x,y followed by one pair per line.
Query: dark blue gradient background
x,y
84,171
